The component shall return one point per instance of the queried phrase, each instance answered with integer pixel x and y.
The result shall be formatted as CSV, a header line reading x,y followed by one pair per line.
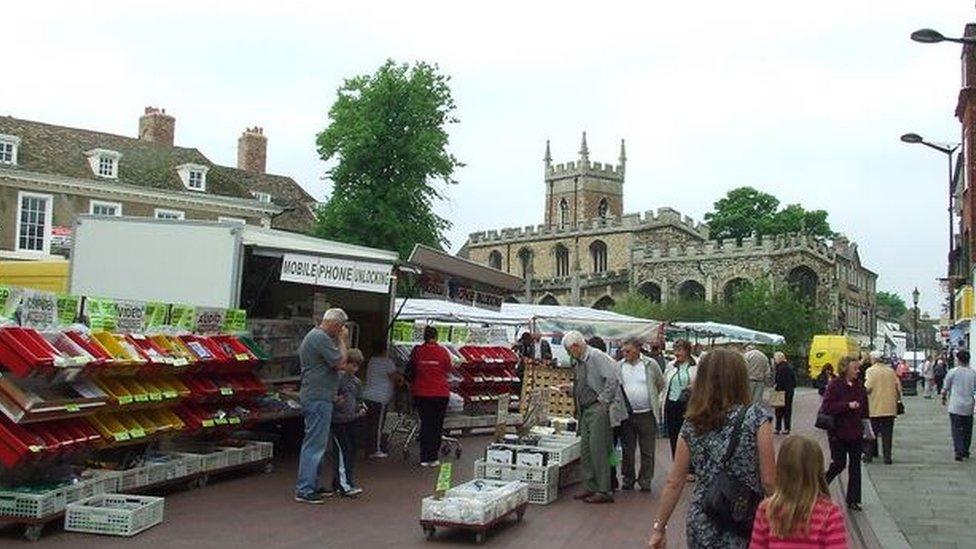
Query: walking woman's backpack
x,y
730,502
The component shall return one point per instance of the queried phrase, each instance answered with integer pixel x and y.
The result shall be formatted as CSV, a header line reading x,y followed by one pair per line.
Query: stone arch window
x,y
691,290
563,213
548,300
603,210
804,281
598,251
525,261
605,303
733,287
650,291
562,260
495,260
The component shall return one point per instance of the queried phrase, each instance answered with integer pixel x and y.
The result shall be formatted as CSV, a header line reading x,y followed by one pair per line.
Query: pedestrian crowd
x,y
713,408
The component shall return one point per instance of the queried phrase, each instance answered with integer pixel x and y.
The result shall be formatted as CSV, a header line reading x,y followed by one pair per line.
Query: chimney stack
x,y
252,150
156,126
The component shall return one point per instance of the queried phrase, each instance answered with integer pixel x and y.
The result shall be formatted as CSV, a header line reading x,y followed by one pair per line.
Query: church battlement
x,y
570,169
630,222
749,246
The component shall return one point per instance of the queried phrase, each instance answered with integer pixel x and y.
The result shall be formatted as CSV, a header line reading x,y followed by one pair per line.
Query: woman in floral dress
x,y
720,393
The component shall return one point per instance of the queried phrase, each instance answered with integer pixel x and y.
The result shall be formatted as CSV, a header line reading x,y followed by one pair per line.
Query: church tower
x,y
583,190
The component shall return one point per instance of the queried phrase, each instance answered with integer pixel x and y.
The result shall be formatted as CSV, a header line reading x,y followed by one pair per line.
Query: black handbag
x,y
901,408
729,502
825,421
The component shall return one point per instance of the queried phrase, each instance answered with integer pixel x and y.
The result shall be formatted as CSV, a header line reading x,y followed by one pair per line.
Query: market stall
x,y
718,333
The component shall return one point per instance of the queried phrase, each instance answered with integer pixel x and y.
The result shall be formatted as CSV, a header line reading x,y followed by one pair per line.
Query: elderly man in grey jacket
x,y
600,407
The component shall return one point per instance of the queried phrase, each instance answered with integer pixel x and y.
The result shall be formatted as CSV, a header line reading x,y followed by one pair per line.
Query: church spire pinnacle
x,y
584,152
548,157
623,156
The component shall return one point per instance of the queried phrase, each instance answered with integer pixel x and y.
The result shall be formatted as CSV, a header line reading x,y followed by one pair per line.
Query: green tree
x,y
746,211
759,307
388,133
891,302
741,213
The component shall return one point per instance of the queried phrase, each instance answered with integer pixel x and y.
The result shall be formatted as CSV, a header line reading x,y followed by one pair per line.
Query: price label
x,y
170,394
444,479
155,396
35,448
221,421
226,391
141,398
137,433
180,362
207,423
121,437
127,399
242,357
72,408
234,420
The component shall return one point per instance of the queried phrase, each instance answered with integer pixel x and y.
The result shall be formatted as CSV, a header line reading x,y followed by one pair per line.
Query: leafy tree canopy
x,y
746,211
893,303
388,134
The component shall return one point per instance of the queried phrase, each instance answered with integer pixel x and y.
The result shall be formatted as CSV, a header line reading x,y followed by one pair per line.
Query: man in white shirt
x,y
958,394
642,382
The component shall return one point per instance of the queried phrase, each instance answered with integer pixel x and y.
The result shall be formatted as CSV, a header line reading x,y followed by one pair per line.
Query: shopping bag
x,y
868,429
777,399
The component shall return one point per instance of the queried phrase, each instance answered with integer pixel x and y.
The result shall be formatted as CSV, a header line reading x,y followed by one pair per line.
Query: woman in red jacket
x,y
847,401
431,364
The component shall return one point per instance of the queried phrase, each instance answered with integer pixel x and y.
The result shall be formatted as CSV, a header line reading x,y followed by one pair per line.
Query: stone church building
x,y
589,252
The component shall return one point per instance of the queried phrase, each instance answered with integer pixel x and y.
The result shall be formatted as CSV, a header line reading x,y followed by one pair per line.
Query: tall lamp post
x,y
915,326
947,149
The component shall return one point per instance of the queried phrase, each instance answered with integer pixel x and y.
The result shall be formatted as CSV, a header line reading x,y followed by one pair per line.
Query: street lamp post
x,y
947,149
929,36
915,326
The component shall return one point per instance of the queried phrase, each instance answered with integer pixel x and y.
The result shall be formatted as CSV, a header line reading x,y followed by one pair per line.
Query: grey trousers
x,y
595,446
639,430
757,388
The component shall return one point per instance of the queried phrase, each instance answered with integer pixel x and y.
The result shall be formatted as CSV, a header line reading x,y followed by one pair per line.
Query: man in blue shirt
x,y
960,387
322,356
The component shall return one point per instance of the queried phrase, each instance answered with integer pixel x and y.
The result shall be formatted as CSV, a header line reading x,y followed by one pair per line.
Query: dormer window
x,y
194,176
104,163
8,149
261,197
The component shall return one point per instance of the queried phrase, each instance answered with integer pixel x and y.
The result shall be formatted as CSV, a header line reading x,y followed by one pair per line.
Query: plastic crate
x,y
214,460
561,449
192,463
134,478
235,456
545,475
79,490
265,449
106,482
114,514
24,505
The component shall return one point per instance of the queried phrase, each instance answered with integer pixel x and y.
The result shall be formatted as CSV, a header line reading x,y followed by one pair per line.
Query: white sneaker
x,y
354,491
435,463
379,455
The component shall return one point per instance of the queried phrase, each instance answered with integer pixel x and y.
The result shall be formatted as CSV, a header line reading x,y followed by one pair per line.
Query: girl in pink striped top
x,y
799,515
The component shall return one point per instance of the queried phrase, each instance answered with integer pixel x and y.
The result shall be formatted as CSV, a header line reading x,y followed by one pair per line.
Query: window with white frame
x,y
261,197
8,149
238,220
193,176
169,214
34,222
104,163
99,207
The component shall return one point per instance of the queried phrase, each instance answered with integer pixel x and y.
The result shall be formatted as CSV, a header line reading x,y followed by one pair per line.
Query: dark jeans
x,y
846,453
674,417
784,414
939,381
343,455
375,417
431,411
884,430
639,430
962,434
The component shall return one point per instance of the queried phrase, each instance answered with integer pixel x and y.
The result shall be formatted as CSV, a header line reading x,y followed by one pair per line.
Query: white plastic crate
x,y
114,514
192,463
542,482
265,449
234,456
17,504
134,478
80,490
106,482
213,460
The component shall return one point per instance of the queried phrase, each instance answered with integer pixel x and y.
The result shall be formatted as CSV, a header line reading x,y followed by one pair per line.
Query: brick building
x,y
588,252
49,174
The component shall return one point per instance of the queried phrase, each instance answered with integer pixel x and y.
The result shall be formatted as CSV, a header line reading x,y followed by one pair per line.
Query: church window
x,y
525,261
562,261
563,213
495,260
598,250
603,210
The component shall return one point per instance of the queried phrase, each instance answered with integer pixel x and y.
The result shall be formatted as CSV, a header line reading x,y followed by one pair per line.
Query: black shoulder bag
x,y
729,502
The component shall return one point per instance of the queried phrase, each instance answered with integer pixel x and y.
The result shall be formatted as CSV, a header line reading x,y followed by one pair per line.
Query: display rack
x,y
537,376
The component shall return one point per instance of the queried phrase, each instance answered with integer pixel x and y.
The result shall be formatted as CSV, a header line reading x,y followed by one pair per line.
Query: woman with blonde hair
x,y
729,441
799,513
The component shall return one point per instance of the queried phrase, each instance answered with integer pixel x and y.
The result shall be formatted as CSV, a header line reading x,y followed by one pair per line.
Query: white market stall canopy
x,y
562,318
437,310
732,333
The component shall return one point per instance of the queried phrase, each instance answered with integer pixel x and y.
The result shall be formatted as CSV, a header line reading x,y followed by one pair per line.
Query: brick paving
x,y
257,511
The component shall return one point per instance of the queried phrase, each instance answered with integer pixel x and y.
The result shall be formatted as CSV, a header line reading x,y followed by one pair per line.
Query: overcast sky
x,y
802,100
